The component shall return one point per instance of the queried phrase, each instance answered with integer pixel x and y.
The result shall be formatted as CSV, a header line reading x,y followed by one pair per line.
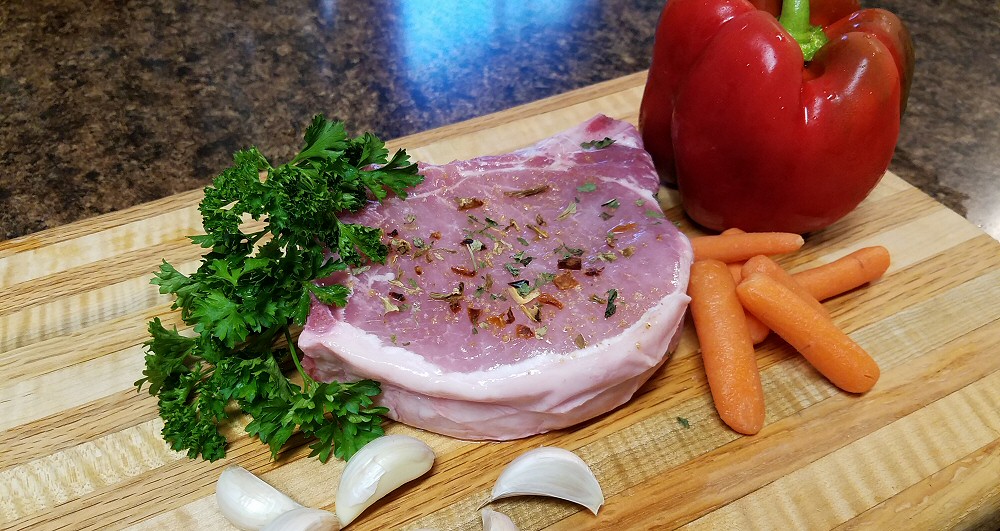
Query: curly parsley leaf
x,y
268,232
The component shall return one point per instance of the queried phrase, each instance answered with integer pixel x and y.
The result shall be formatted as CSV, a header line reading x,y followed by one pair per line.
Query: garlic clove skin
x,y
247,501
550,471
304,519
496,521
378,468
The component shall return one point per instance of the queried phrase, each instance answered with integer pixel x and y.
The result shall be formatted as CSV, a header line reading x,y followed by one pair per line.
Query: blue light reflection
x,y
430,38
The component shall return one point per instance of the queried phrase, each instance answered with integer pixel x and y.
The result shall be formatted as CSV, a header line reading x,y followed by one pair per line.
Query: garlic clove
x,y
247,501
304,519
377,469
549,471
496,521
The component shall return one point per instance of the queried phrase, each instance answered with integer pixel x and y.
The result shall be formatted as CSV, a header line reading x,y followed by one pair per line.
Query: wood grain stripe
x,y
141,263
51,237
31,361
35,263
74,426
54,391
60,477
69,314
964,494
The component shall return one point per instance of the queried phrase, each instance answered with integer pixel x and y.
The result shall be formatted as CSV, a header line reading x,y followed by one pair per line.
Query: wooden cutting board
x,y
80,448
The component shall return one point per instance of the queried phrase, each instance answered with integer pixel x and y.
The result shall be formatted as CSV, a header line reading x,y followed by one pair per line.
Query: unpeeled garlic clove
x,y
377,469
549,471
304,519
496,521
247,501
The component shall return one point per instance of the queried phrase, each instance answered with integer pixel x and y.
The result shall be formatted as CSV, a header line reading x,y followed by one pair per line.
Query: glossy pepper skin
x,y
756,137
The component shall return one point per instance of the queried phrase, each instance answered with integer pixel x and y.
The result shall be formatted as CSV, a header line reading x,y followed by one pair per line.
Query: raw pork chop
x,y
523,293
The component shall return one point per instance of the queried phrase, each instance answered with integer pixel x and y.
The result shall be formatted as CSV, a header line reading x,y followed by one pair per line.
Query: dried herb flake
x,y
598,144
611,308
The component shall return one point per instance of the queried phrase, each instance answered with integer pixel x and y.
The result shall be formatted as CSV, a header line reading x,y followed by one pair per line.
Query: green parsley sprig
x,y
254,287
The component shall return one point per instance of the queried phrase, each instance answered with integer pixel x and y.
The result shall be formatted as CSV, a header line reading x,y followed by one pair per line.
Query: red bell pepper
x,y
760,134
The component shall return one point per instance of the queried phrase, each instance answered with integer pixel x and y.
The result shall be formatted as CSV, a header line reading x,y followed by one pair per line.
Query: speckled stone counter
x,y
105,105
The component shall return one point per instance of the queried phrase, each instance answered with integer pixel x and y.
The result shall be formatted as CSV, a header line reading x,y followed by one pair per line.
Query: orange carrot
x,y
736,270
758,330
835,355
843,275
735,267
736,247
764,265
726,350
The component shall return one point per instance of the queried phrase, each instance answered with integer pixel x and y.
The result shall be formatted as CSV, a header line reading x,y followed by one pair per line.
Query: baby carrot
x,y
843,275
835,355
736,270
726,350
736,247
764,265
735,267
758,330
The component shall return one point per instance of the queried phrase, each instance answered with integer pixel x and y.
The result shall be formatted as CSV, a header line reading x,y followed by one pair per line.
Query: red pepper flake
x,y
418,270
571,262
455,306
465,272
545,298
524,332
501,320
625,227
474,314
565,281
436,235
398,296
594,271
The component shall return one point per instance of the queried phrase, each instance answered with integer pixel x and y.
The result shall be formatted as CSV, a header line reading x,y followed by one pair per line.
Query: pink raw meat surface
x,y
456,348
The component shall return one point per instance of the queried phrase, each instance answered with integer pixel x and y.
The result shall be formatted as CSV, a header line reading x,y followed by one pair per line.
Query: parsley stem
x,y
295,359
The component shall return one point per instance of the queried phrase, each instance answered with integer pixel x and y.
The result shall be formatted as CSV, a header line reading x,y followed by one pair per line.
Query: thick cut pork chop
x,y
523,292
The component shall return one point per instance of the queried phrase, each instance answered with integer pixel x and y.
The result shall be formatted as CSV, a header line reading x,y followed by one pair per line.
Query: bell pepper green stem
x,y
795,19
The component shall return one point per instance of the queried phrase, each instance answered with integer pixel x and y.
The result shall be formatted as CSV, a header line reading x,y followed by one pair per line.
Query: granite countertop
x,y
106,105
